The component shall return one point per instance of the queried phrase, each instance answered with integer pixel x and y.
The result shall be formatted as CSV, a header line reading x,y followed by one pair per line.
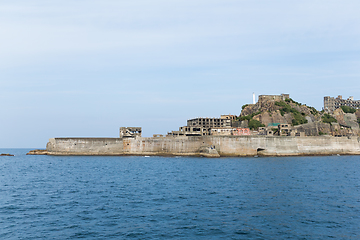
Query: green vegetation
x,y
290,100
298,119
313,110
327,118
347,109
286,108
321,133
244,106
255,124
250,116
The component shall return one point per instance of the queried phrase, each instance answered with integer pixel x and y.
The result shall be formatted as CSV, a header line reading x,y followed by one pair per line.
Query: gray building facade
x,y
331,104
208,123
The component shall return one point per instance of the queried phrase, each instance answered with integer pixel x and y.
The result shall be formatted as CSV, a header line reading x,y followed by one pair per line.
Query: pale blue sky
x,y
86,68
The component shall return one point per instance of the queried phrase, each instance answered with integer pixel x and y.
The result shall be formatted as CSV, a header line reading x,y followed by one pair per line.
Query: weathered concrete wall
x,y
192,146
85,146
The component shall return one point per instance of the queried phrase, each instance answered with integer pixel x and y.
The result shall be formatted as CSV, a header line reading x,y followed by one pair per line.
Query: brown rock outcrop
x,y
37,152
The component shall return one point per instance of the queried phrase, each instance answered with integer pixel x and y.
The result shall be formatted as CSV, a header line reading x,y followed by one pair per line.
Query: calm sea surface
x,y
45,197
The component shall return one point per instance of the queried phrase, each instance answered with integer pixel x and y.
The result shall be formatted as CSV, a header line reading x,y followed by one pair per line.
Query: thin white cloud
x,y
141,30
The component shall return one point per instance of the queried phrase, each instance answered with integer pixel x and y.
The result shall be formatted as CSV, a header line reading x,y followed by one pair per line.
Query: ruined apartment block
x,y
189,131
331,104
208,123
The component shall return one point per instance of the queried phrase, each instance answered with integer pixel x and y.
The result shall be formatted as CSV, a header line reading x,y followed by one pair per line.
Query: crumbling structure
x,y
189,131
210,126
281,129
209,122
331,104
130,132
281,97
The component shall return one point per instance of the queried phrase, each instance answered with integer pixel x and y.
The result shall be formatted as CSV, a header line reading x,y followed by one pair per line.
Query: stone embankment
x,y
206,146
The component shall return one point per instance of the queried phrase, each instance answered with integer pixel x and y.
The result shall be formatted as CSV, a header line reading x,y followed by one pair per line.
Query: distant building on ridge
x,y
331,104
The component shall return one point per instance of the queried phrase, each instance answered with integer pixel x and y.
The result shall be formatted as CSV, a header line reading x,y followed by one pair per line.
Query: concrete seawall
x,y
206,146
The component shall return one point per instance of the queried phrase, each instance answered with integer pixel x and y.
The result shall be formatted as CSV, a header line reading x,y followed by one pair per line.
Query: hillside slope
x,y
268,113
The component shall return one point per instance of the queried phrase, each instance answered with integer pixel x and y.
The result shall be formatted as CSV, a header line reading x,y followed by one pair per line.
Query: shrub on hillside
x,y
291,100
327,118
255,124
244,106
313,110
298,119
250,116
348,109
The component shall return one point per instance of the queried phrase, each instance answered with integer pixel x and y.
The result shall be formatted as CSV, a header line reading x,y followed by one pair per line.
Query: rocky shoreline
x,y
38,152
6,154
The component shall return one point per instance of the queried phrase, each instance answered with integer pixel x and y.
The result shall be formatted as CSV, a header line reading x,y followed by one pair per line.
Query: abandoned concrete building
x,y
331,104
130,132
210,126
280,129
281,97
189,131
230,131
209,122
242,132
231,117
222,131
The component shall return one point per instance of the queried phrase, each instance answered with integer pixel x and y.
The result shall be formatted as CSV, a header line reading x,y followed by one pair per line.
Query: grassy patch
x,y
250,116
327,118
286,108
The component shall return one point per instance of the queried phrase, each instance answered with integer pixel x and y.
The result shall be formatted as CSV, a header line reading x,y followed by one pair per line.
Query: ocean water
x,y
47,197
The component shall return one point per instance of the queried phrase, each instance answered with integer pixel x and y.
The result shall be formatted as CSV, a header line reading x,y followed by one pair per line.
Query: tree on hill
x,y
327,118
255,124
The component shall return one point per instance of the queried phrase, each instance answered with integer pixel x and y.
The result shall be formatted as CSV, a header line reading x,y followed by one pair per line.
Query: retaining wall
x,y
190,146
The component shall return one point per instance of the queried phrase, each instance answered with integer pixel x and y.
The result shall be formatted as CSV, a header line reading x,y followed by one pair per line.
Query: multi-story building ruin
x,y
210,126
190,131
331,104
209,122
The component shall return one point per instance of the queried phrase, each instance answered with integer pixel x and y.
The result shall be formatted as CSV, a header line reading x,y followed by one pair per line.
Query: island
x,y
275,125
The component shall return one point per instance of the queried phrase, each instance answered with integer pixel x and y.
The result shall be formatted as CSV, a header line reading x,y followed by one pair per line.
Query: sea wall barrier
x,y
208,146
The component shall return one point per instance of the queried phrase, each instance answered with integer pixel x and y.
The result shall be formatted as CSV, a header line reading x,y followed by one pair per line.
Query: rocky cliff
x,y
300,116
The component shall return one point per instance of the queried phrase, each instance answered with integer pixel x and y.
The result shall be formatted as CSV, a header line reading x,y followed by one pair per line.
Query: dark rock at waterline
x,y
37,152
6,154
